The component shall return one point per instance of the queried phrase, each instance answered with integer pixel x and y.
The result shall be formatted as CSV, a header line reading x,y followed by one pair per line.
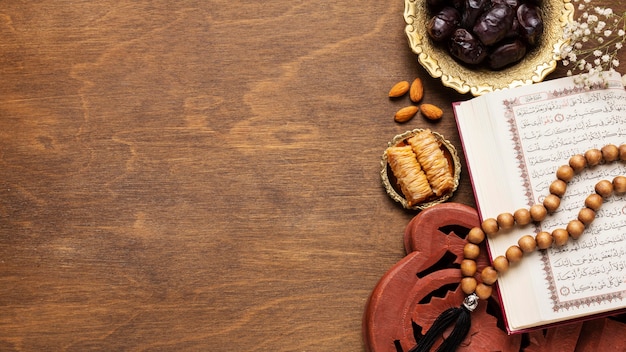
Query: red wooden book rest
x,y
410,296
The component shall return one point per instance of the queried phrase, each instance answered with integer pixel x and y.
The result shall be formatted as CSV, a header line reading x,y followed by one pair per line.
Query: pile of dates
x,y
493,33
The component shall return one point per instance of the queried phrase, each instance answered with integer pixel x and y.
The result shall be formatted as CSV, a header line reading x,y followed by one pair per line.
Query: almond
x,y
406,113
431,111
399,89
416,93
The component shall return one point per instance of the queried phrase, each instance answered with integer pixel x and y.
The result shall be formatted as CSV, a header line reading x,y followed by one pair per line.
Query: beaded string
x,y
537,213
476,290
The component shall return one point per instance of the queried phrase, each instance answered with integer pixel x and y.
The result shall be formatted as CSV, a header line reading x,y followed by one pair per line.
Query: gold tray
x,y
389,180
534,67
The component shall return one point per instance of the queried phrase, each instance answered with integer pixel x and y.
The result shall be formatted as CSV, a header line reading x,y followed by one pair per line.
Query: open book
x,y
514,140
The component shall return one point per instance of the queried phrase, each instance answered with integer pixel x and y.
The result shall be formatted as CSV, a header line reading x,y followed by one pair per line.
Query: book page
x,y
551,127
538,130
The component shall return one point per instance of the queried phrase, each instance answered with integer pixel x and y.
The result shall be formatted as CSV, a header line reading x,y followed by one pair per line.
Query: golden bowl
x,y
534,67
389,180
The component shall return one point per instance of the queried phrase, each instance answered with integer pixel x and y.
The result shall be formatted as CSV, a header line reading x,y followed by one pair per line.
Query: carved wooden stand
x,y
410,296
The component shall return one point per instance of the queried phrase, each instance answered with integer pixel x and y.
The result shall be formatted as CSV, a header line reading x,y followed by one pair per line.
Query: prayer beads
x,y
537,213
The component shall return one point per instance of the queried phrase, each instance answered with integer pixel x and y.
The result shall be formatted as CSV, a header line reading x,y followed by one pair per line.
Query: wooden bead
x,y
522,217
558,188
538,212
468,285
483,291
489,275
501,264
578,163
476,235
565,173
622,152
544,240
551,203
575,228
468,267
490,226
514,254
586,216
560,236
610,153
604,188
594,201
619,185
593,156
527,243
505,221
471,251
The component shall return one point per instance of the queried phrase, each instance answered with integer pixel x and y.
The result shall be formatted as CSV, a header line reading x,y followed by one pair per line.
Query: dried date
x,y
494,24
442,25
507,54
530,22
466,47
472,10
512,3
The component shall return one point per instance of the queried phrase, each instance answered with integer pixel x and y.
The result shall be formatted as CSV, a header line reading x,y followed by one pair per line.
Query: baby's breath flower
x,y
593,40
600,26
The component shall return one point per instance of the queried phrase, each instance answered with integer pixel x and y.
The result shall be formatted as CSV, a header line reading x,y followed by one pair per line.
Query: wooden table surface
x,y
200,175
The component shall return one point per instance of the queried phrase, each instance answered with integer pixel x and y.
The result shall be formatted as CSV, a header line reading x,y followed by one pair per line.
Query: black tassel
x,y
462,323
461,328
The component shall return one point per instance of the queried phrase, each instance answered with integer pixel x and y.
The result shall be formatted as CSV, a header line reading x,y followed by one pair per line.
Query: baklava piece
x,y
434,163
409,174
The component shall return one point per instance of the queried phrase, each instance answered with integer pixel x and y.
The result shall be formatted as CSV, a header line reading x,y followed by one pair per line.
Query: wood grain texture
x,y
199,175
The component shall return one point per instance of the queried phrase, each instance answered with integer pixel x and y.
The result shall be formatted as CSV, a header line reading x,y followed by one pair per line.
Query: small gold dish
x,y
534,67
389,180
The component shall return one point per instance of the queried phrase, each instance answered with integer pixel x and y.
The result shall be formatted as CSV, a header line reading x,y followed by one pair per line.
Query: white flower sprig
x,y
592,41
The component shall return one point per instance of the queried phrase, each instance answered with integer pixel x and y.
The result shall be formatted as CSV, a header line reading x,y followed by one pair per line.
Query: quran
x,y
514,140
